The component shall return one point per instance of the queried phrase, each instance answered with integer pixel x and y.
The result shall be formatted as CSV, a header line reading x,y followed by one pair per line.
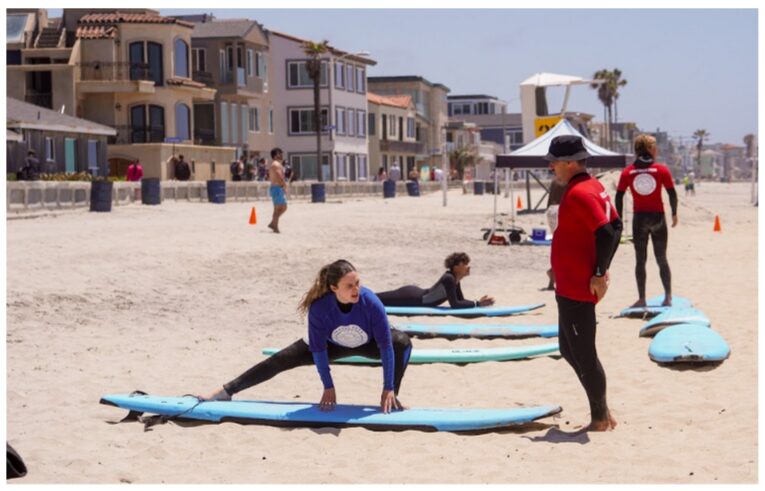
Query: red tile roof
x,y
96,32
402,101
118,18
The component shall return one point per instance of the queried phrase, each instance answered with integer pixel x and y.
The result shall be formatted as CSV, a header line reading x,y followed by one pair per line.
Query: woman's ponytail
x,y
329,275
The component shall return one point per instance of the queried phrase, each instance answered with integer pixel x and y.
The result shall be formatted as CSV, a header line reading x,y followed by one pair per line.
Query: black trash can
x,y
101,195
413,188
151,192
216,191
478,187
317,193
389,189
490,187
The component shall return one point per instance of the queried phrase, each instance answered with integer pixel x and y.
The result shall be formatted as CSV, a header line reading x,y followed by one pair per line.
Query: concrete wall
x,y
35,196
155,159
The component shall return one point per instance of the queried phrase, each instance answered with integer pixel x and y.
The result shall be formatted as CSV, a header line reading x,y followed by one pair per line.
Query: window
x,y
154,51
363,173
224,123
304,165
182,121
261,68
372,122
361,80
199,59
270,120
181,54
299,78
351,125
222,65
156,124
137,60
138,124
245,111
339,75
339,120
143,131
350,77
93,156
410,128
361,123
50,149
302,121
255,119
392,125
234,125
341,162
250,63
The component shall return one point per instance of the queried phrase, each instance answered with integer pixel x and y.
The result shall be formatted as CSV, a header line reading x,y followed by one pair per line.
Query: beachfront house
x,y
490,115
392,133
129,69
343,99
62,143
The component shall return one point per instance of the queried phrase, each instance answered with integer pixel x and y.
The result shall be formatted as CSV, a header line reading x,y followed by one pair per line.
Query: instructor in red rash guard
x,y
583,245
645,178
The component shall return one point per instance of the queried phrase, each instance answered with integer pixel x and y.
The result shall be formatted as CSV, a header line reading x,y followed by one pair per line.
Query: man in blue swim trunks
x,y
278,189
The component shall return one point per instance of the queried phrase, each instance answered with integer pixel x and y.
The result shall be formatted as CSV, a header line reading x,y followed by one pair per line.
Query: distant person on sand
x,y
134,171
30,171
182,169
395,172
278,188
237,170
645,178
344,319
583,245
381,174
414,174
553,201
447,288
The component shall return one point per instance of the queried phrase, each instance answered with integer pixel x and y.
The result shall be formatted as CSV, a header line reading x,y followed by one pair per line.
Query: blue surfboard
x,y
688,343
309,415
485,331
458,355
654,307
467,313
677,315
537,242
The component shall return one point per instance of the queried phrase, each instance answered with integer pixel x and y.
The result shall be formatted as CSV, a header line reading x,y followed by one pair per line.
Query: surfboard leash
x,y
157,419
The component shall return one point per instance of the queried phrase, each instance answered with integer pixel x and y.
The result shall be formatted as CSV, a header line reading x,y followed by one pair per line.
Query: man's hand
x,y
674,220
485,301
328,400
599,286
388,401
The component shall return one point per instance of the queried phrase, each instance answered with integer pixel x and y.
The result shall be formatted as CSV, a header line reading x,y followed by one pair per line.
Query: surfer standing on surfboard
x,y
645,178
583,245
344,319
446,288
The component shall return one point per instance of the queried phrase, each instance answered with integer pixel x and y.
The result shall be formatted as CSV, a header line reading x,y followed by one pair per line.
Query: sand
x,y
180,298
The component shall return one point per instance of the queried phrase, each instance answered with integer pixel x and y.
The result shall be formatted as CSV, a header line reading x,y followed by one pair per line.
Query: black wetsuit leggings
x,y
297,355
653,225
576,337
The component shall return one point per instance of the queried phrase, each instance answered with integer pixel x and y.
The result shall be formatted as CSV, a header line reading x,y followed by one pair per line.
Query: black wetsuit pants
x,y
297,354
576,337
653,226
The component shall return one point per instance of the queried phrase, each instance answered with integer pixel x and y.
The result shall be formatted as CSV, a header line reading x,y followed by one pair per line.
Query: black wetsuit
x,y
446,288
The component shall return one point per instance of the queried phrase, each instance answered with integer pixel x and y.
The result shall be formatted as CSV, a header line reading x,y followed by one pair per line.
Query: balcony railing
x,y
204,137
130,134
236,77
203,78
109,71
40,99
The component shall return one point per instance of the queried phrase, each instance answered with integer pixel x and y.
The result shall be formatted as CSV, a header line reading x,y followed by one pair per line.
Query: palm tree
x,y
700,136
315,50
605,97
460,158
616,82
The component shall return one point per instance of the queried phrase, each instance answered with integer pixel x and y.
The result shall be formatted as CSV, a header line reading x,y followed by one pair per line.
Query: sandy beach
x,y
180,298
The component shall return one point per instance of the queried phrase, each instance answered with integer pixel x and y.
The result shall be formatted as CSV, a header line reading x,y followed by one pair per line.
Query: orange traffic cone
x,y
519,205
717,224
253,217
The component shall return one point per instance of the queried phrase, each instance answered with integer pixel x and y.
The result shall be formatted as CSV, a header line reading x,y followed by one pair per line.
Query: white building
x,y
343,97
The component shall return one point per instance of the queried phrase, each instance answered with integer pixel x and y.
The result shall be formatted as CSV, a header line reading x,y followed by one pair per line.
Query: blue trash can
x,y
490,187
317,193
216,191
389,189
478,187
413,188
101,195
151,192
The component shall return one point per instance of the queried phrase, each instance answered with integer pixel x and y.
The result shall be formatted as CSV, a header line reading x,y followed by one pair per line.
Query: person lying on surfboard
x,y
446,288
344,319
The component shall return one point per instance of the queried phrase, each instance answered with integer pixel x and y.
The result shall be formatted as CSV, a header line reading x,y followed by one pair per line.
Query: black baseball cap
x,y
567,147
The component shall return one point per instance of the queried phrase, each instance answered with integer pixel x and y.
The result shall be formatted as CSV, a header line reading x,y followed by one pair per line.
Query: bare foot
x,y
639,303
609,424
273,227
218,395
667,301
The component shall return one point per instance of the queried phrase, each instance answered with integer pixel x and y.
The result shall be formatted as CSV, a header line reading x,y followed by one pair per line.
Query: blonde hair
x,y
329,275
644,143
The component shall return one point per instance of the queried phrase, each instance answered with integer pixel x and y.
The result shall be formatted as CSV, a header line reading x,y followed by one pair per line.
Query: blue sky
x,y
686,69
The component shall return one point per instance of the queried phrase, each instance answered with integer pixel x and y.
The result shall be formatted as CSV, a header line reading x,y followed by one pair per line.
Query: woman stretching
x,y
446,288
344,319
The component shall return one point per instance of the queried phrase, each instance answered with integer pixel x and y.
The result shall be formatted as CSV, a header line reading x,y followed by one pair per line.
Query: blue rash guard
x,y
365,321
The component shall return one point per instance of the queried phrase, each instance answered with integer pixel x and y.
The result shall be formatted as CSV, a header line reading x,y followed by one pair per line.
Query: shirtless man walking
x,y
278,188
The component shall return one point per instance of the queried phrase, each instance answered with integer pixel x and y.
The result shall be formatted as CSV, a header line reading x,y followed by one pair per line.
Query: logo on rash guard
x,y
644,184
351,336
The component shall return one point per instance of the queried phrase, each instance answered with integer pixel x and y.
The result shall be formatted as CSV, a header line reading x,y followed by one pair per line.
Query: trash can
x,y
216,191
317,193
151,192
478,187
490,187
389,189
413,188
101,195
538,234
